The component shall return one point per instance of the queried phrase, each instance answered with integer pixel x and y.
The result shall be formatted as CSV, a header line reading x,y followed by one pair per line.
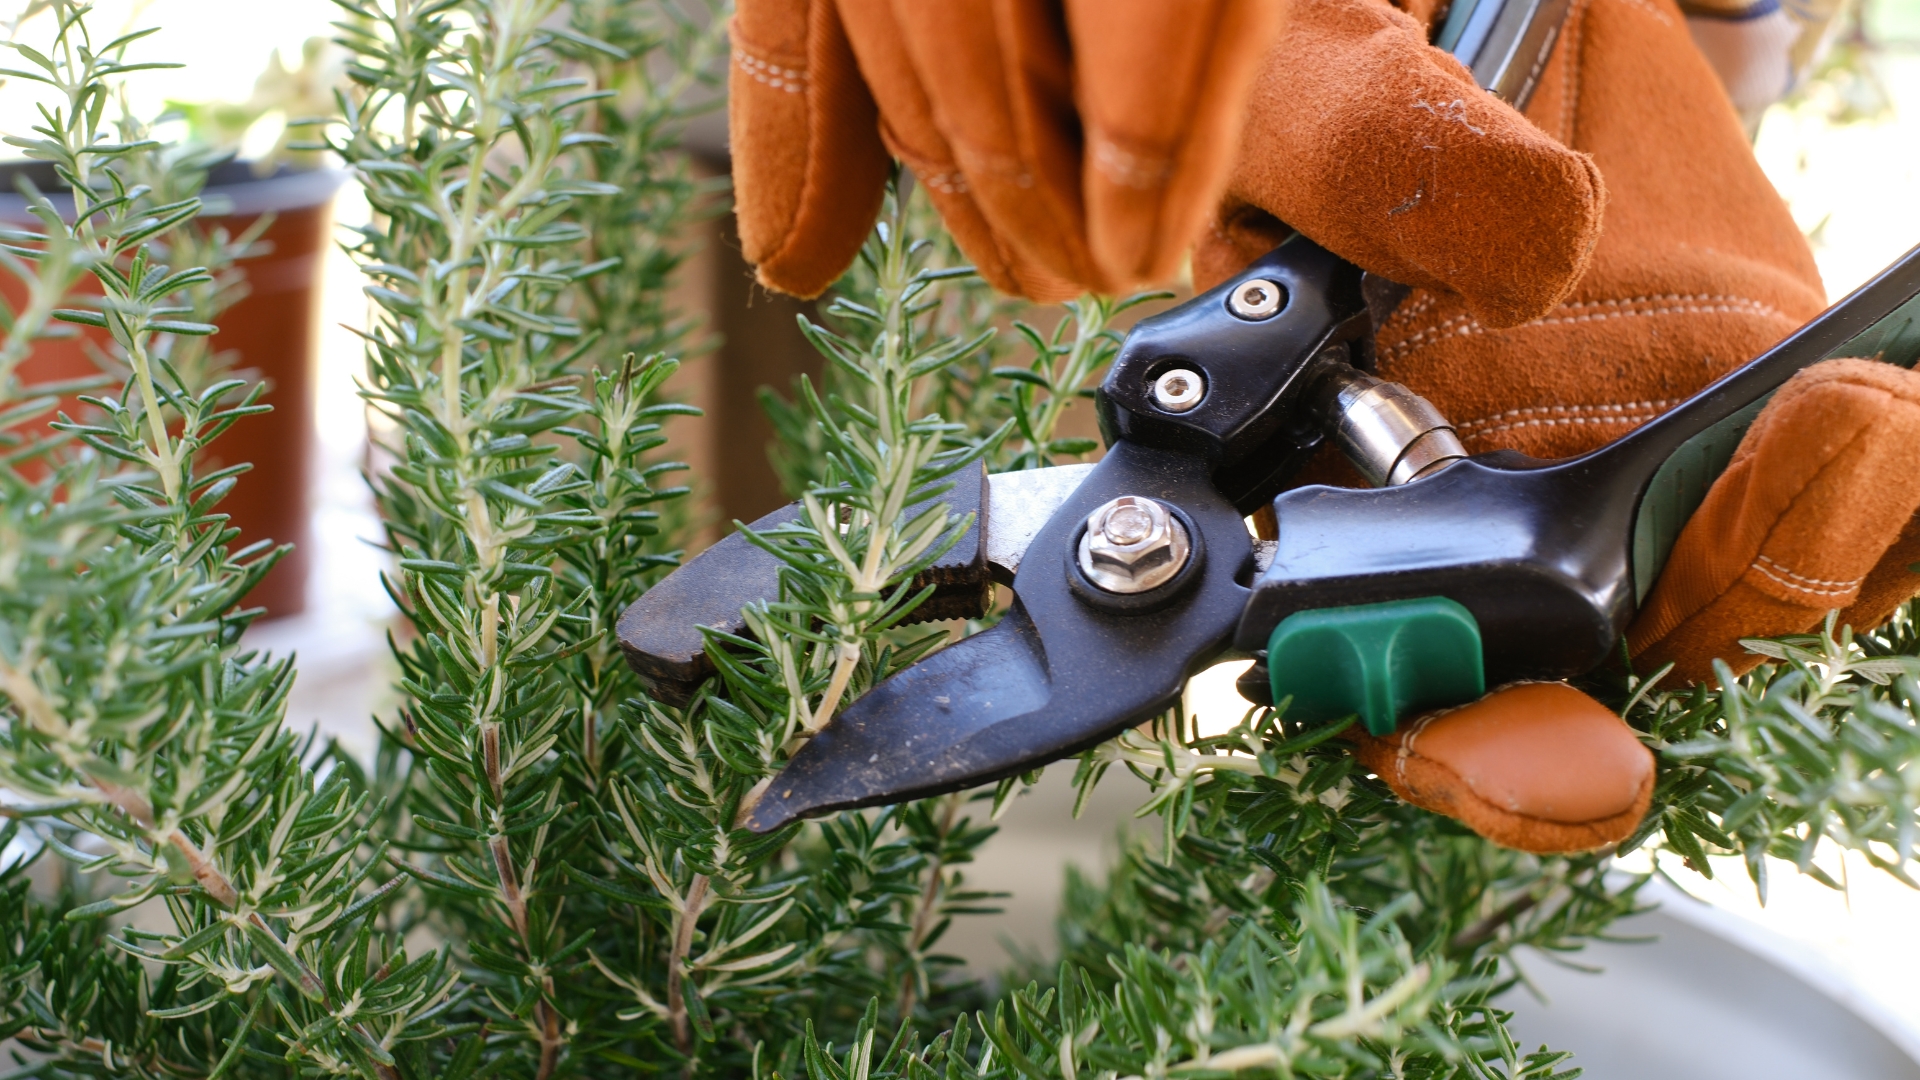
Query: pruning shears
x,y
1129,575
1455,573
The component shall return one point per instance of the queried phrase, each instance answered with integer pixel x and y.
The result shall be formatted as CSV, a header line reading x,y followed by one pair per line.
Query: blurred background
x,y
1844,152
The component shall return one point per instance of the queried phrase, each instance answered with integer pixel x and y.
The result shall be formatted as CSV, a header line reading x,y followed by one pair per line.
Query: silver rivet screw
x,y
1178,390
1132,544
1256,299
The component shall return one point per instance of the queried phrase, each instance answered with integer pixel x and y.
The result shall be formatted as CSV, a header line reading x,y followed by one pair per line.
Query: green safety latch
x,y
1379,660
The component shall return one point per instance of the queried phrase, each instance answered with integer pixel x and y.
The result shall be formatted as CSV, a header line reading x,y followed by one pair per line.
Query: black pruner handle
x,y
1551,558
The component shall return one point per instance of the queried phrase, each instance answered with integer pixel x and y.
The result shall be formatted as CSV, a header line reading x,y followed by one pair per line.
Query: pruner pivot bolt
x,y
1132,544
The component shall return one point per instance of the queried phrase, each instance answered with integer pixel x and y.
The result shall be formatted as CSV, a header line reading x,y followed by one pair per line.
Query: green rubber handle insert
x,y
1378,660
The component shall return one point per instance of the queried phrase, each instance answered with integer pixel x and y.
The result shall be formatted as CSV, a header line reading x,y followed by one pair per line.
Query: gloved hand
x,y
1699,269
1067,146
1382,150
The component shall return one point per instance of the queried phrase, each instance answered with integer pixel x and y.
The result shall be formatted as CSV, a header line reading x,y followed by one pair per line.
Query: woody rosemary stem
x,y
1488,928
846,659
929,903
218,886
691,906
515,901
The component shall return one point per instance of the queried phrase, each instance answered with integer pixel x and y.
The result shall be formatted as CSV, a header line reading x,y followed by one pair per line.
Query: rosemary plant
x,y
1813,751
582,859
1060,373
543,874
142,741
666,69
1013,410
461,126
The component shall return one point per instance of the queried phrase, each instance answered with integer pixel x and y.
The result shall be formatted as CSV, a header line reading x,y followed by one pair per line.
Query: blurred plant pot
x,y
271,334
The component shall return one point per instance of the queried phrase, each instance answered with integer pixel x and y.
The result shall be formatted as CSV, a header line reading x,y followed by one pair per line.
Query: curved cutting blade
x,y
1055,676
661,631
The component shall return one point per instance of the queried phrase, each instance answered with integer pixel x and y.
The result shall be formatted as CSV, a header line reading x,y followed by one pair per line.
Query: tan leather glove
x,y
1384,150
1698,269
1068,146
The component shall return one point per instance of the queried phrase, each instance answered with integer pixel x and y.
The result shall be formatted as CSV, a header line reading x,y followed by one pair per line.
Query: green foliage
x,y
1335,994
543,874
1299,919
1815,748
813,920
1012,411
575,841
143,741
872,517
1061,372
522,507
633,143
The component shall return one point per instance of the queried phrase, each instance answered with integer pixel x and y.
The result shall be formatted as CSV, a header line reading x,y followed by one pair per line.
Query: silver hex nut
x,y
1132,544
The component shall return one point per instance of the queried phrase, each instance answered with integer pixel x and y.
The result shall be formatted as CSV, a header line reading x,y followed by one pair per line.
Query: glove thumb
x,y
1382,149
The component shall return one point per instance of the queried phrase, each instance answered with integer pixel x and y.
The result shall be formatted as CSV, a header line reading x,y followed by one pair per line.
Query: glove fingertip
x,y
1158,154
1557,250
809,167
1534,766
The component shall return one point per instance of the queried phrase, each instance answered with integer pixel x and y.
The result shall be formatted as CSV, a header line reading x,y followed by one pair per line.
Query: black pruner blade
x,y
1067,666
661,632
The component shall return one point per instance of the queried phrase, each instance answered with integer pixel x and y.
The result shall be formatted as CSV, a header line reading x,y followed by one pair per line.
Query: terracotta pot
x,y
273,334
